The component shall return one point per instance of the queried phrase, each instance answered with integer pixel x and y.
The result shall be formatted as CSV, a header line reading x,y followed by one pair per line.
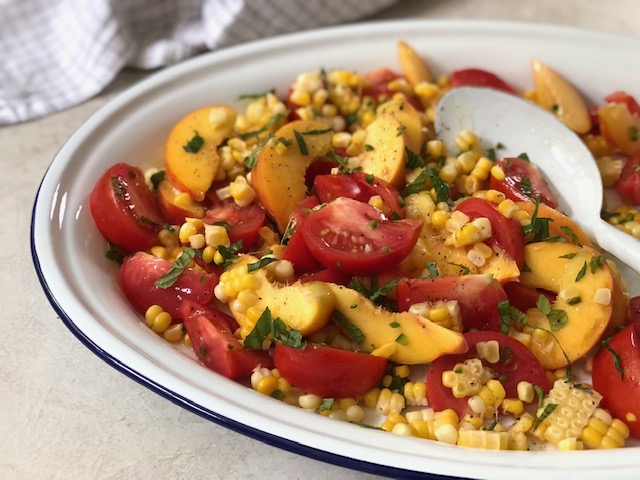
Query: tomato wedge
x,y
215,346
623,97
124,209
361,187
476,77
522,181
244,222
357,238
478,297
516,364
329,372
621,394
507,232
296,250
628,185
139,273
523,297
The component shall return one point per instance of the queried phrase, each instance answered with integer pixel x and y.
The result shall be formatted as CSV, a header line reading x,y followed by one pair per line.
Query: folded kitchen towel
x,y
57,53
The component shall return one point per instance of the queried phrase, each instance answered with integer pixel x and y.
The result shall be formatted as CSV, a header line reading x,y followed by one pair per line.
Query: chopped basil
x,y
203,352
327,404
539,226
156,178
278,395
301,144
147,220
370,179
416,185
394,324
195,144
491,426
539,395
432,268
571,235
266,327
525,186
176,269
413,160
633,133
568,255
608,215
114,253
464,270
367,147
545,413
373,224
574,301
526,268
524,156
616,358
400,130
582,272
223,224
397,383
595,263
263,262
229,253
386,249
270,123
557,318
118,188
352,331
402,339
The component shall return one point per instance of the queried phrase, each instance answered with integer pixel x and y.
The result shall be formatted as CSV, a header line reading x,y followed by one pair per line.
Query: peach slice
x,y
413,66
556,94
559,220
175,205
279,175
191,160
409,118
386,157
402,337
618,125
588,293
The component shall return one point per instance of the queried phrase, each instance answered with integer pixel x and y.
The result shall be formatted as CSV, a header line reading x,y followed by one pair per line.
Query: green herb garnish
x,y
176,269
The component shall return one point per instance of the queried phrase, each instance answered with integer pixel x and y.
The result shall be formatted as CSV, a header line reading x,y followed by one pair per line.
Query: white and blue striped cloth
x,y
58,53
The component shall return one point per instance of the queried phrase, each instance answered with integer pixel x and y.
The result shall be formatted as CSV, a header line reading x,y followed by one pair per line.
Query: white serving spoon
x,y
565,161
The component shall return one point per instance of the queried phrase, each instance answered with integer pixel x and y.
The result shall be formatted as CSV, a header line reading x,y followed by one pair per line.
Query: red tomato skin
x,y
118,214
329,372
327,275
244,222
476,77
139,272
515,169
623,97
296,250
620,396
355,185
523,297
478,297
215,346
628,185
329,233
523,365
507,232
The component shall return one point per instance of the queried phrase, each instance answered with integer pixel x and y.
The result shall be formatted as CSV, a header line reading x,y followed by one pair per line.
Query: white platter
x,y
82,285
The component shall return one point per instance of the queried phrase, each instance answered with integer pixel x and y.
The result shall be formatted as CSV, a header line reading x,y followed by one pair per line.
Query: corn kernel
x,y
161,322
497,173
173,334
152,312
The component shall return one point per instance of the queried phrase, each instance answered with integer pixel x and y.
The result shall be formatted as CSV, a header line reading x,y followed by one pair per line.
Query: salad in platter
x,y
329,251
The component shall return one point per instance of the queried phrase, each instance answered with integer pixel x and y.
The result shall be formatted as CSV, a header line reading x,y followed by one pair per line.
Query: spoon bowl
x,y
519,126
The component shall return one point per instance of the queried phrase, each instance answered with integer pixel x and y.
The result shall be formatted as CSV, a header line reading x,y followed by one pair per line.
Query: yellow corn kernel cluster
x,y
232,157
488,399
384,400
627,220
161,323
604,431
466,379
415,394
259,113
479,253
487,439
474,231
444,313
574,405
270,383
243,194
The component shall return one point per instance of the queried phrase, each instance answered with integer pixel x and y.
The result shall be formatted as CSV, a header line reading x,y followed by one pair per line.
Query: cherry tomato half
x,y
522,181
361,187
478,297
628,185
139,273
296,250
516,364
244,222
623,97
124,209
357,238
507,232
329,372
215,346
621,395
475,77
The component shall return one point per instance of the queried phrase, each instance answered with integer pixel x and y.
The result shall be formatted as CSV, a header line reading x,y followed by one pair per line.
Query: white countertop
x,y
64,413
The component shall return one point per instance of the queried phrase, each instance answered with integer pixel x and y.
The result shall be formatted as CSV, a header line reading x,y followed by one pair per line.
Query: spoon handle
x,y
619,244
